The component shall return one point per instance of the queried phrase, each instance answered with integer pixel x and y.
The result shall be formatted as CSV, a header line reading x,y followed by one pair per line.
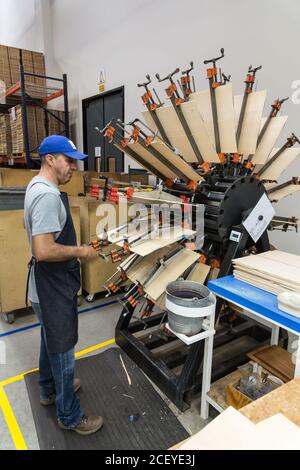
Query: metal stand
x,y
42,103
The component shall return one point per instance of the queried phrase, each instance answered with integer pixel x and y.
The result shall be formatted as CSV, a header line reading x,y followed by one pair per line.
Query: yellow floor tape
x,y
7,410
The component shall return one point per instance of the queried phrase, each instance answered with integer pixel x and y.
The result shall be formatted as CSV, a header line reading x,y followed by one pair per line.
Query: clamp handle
x,y
283,100
293,139
146,83
255,69
186,72
226,78
101,131
168,77
215,59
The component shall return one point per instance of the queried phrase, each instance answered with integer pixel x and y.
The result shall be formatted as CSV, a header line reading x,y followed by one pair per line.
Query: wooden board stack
x,y
5,136
36,128
34,62
274,271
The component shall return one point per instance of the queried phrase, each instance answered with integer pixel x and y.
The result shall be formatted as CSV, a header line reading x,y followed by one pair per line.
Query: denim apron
x,y
57,286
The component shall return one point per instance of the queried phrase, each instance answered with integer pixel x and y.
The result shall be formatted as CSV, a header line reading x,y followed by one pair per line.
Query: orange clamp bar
x,y
124,143
192,185
109,133
221,157
13,89
147,97
148,141
235,158
55,95
171,90
212,72
205,167
135,134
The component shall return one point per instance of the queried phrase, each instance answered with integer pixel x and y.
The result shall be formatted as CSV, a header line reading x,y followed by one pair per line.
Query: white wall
x,y
134,37
19,26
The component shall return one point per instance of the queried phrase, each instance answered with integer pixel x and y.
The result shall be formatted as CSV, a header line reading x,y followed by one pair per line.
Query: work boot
x,y
87,425
51,399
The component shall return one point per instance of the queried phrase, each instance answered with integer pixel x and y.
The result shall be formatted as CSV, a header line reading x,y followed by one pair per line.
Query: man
x,y
54,281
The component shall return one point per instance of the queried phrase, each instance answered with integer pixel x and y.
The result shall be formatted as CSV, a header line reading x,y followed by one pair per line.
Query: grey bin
x,y
188,303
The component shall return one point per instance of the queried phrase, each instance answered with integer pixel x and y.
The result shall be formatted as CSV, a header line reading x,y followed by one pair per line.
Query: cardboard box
x,y
236,398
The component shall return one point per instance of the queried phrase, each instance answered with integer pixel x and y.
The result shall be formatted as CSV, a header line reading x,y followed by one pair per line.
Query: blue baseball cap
x,y
60,144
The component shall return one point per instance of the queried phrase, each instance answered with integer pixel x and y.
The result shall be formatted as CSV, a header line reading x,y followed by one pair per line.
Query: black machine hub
x,y
227,202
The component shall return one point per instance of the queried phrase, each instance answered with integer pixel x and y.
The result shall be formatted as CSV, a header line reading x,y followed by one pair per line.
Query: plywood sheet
x,y
260,282
272,269
153,161
145,247
199,273
274,433
269,139
204,102
177,265
191,111
177,161
226,118
252,121
286,258
281,163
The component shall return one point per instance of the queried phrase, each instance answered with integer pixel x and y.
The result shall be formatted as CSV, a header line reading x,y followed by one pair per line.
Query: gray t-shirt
x,y
44,212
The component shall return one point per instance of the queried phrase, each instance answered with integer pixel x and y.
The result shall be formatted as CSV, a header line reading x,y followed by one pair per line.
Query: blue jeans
x,y
56,377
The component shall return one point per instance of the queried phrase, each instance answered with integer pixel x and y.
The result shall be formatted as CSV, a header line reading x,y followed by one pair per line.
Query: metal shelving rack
x,y
23,88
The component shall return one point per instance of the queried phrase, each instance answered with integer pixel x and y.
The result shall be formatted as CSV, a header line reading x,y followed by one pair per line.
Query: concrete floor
x,y
22,353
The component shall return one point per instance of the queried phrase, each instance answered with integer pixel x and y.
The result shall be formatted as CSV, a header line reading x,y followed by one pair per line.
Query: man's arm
x,y
46,249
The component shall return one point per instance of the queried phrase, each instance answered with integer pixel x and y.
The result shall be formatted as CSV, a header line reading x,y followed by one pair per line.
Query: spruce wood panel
x,y
269,139
204,103
141,269
192,114
177,161
252,121
177,265
226,118
177,139
284,192
175,132
199,273
145,247
153,161
281,163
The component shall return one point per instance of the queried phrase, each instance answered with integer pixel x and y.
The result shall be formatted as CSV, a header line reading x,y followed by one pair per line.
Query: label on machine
x,y
259,219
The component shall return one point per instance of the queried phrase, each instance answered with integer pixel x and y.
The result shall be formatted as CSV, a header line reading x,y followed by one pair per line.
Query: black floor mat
x,y
106,391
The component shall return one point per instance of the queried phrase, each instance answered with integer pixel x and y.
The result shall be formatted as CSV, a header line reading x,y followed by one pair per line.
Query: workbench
x,y
260,306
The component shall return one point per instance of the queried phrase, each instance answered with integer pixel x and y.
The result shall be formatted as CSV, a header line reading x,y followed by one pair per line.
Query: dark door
x,y
97,112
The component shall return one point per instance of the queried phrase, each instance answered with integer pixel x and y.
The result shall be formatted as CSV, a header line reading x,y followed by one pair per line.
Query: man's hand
x,y
88,254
